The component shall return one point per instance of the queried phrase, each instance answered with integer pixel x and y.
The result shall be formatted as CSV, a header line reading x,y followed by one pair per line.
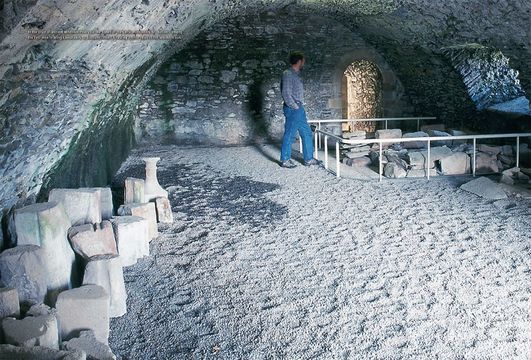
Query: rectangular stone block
x,y
22,267
132,238
90,240
388,134
106,271
83,206
9,303
164,211
486,163
419,159
134,191
415,144
106,204
84,308
46,225
146,211
456,164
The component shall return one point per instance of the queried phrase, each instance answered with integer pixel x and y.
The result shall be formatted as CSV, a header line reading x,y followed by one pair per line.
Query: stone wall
x,y
224,87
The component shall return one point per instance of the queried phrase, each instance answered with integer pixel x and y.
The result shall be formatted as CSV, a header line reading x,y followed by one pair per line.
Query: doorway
x,y
362,95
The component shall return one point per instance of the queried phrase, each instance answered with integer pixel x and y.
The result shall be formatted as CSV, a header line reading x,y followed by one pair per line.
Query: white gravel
x,y
270,263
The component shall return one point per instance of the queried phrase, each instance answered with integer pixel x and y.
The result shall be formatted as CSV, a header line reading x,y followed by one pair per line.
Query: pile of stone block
x,y
47,309
447,157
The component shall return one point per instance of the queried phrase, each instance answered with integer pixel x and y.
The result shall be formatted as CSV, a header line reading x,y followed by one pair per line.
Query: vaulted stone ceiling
x,y
55,94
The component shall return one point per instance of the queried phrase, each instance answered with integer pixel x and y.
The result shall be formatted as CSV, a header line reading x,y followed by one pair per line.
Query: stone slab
x,y
93,239
415,144
486,163
134,191
83,206
485,188
83,308
146,211
106,271
132,238
394,171
164,211
22,267
388,134
88,343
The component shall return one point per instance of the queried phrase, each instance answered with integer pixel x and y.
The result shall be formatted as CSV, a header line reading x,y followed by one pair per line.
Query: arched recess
x,y
392,91
362,95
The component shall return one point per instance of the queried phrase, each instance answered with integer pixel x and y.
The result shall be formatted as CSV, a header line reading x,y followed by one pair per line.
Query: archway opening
x,y
362,95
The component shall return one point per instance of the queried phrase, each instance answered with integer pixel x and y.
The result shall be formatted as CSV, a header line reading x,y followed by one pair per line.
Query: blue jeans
x,y
296,121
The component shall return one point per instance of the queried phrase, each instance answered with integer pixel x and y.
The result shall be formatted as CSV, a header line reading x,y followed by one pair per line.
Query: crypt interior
x,y
145,213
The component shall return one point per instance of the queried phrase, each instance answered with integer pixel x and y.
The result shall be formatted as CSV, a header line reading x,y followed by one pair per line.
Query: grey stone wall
x,y
224,87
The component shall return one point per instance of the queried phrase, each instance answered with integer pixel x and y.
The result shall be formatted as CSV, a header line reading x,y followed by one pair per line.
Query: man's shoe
x,y
288,164
311,162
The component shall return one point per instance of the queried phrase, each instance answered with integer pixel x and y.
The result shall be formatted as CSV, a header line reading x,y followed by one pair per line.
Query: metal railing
x,y
319,123
474,138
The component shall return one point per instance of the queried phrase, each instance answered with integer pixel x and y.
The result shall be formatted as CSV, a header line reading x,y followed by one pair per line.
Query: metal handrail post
x,y
428,165
316,149
385,124
518,151
474,157
326,151
319,127
338,162
418,124
380,161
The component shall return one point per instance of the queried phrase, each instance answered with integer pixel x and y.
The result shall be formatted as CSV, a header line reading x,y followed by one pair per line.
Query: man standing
x,y
293,95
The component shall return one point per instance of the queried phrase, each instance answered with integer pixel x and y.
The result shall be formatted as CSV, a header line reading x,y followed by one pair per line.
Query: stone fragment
x,y
418,159
394,171
507,180
456,164
88,343
486,163
132,238
11,352
492,150
22,267
134,191
46,225
106,271
83,206
93,239
356,154
164,211
83,308
388,134
146,211
152,188
39,330
358,161
415,144
106,204
507,150
9,303
504,204
485,188
458,133
437,133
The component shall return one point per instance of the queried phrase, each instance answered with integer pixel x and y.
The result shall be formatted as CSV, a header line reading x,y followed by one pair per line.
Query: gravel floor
x,y
263,262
